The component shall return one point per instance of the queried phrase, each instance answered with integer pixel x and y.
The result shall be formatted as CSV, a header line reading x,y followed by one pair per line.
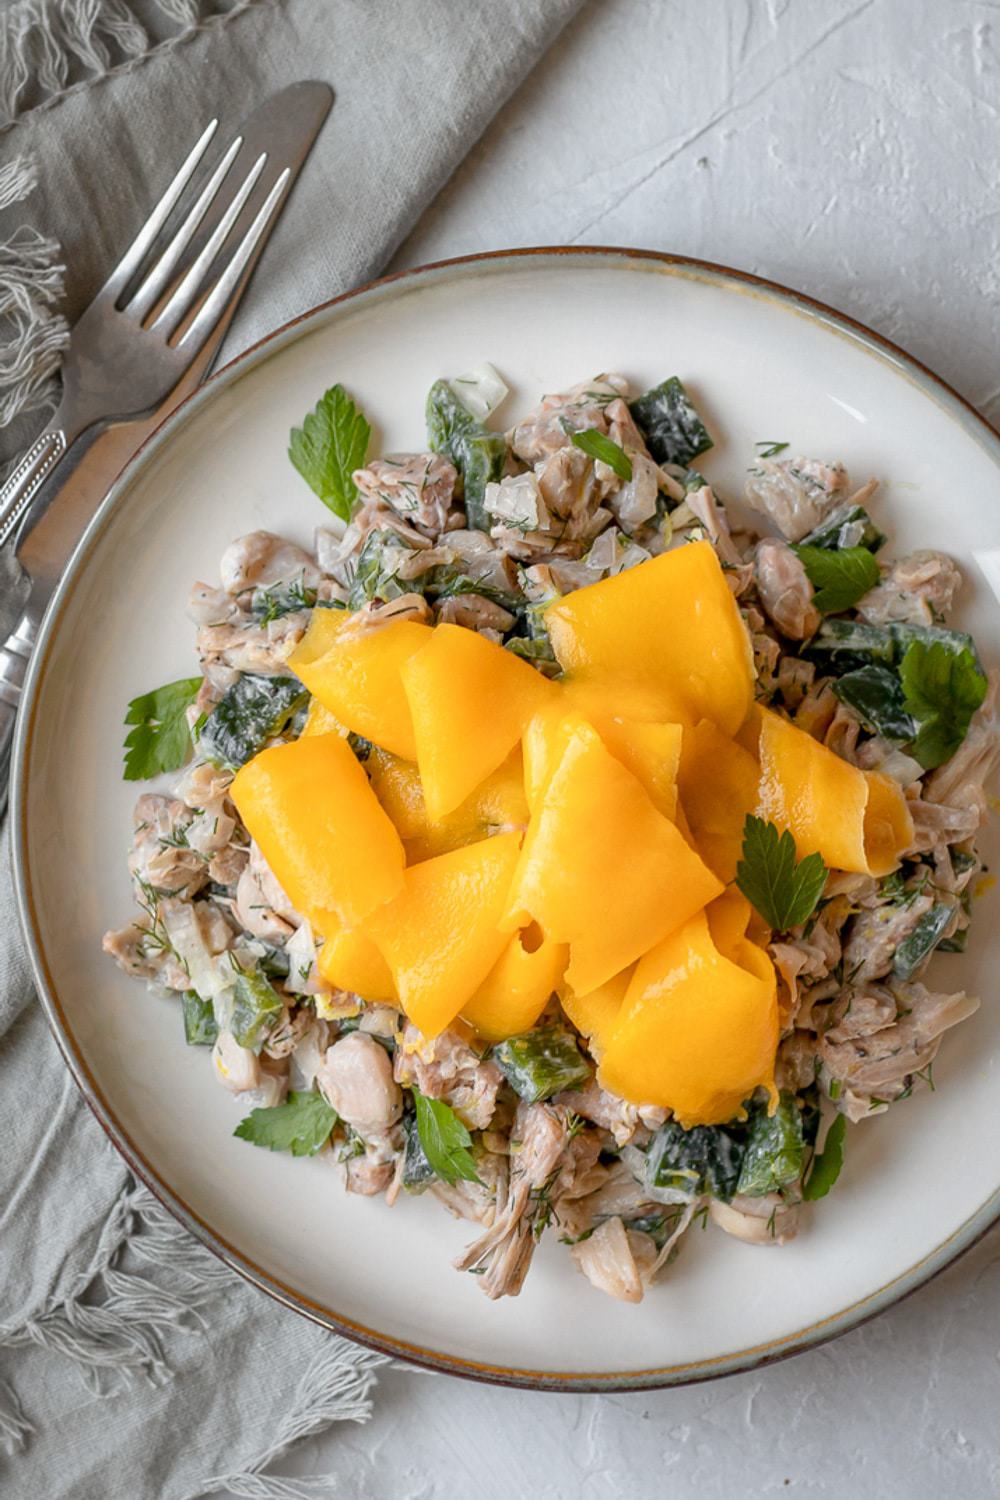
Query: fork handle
x,y
14,657
26,480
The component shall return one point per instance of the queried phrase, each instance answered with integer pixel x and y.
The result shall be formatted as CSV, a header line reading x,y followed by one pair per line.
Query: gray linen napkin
x,y
101,1293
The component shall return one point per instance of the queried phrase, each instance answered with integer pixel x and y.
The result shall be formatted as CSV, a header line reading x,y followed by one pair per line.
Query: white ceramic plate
x,y
919,1185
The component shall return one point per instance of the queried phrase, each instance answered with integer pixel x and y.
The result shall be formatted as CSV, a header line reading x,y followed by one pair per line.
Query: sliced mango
x,y
396,784
356,674
717,781
697,1033
824,801
518,987
888,824
498,803
319,720
596,1015
441,935
470,701
349,960
318,823
670,626
601,868
650,750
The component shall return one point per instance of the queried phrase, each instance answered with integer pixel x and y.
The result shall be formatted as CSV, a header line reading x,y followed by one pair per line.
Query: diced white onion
x,y
209,973
517,502
480,391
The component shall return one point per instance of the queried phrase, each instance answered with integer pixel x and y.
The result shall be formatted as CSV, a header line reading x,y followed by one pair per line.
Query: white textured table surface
x,y
850,150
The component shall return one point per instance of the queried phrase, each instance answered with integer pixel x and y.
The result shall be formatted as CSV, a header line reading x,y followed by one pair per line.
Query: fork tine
x,y
144,240
182,298
224,294
155,283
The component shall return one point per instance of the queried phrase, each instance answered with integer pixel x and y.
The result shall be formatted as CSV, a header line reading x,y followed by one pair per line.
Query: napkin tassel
x,y
32,335
336,1387
111,1322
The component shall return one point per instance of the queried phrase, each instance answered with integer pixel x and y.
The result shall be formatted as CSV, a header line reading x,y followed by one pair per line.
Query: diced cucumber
x,y
876,696
256,1007
666,417
774,1153
252,711
200,1027
903,636
542,1063
689,1163
847,526
851,643
478,454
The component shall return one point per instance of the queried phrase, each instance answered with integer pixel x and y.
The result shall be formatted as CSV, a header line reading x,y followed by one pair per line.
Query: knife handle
x,y
24,483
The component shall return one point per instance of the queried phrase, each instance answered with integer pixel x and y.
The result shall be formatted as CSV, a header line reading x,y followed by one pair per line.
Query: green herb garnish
x,y
768,449
783,891
826,1166
160,740
596,445
839,578
942,690
301,1125
331,443
444,1139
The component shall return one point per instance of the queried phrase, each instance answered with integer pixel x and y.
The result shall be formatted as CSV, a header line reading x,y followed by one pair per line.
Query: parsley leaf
x,y
785,893
826,1166
942,690
840,578
301,1125
445,1139
331,443
161,739
596,445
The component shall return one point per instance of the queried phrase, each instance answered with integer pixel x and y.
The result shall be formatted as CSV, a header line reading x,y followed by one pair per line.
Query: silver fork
x,y
125,356
159,317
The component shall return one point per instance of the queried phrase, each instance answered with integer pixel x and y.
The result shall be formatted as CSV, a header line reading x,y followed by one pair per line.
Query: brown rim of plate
x,y
769,1352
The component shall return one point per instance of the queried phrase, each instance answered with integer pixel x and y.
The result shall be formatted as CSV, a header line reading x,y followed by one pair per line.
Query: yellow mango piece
x,y
717,781
396,784
888,824
601,868
318,823
518,987
543,746
671,626
498,803
319,719
650,750
697,1032
441,935
598,696
349,960
596,1015
356,674
824,801
470,701
728,918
